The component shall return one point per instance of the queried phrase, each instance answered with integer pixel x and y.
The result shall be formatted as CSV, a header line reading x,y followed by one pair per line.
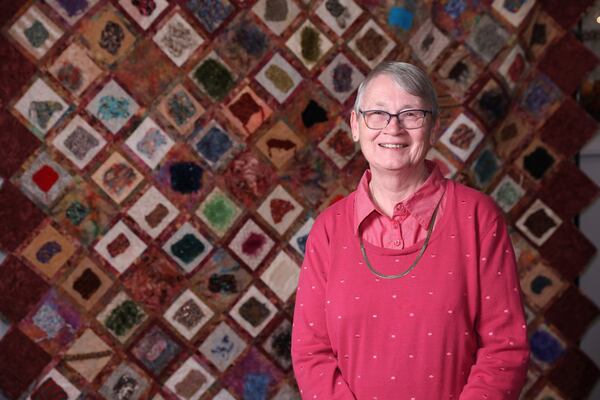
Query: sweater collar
x,y
419,205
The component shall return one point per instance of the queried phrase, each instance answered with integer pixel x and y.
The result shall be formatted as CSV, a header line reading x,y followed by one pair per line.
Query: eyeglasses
x,y
408,119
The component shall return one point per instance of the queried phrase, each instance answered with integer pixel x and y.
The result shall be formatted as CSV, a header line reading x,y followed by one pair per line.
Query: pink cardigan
x,y
453,328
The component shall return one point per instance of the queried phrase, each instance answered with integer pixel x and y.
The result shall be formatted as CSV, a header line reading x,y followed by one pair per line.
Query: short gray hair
x,y
409,77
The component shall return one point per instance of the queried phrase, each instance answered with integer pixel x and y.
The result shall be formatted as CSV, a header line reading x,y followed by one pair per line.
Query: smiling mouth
x,y
393,145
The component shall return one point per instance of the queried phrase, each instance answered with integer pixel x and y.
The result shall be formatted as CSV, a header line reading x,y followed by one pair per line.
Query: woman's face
x,y
392,148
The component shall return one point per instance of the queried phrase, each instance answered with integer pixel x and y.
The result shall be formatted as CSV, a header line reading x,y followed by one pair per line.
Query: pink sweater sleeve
x,y
315,364
501,362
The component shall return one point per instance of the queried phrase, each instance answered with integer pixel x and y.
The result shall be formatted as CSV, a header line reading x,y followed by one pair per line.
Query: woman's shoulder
x,y
343,208
475,201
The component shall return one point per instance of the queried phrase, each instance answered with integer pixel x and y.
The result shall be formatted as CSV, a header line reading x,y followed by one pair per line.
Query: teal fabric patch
x,y
400,17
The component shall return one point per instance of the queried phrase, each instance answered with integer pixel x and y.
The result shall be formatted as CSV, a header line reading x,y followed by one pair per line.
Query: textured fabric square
x,y
122,316
568,54
21,361
14,152
569,263
74,69
253,375
49,250
566,14
278,344
251,244
177,38
188,314
190,380
187,247
309,44
253,311
276,14
575,375
20,289
572,313
213,76
568,190
155,349
15,70
568,129
281,276
88,354
18,215
223,346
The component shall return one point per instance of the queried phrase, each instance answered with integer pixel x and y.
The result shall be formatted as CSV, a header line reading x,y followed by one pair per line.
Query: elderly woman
x,y
409,287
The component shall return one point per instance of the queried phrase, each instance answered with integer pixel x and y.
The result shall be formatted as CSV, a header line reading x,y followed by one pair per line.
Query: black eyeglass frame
x,y
397,115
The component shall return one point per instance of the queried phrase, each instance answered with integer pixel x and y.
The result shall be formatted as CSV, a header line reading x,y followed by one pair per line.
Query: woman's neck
x,y
390,188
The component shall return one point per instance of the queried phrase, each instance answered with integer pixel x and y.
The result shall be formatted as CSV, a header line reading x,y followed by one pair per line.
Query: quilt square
x,y
339,146
514,67
181,109
125,379
210,13
279,77
569,263
514,131
55,384
190,380
311,112
277,15
513,12
153,282
221,280
280,210
88,355
538,222
83,212
540,99
341,78
15,218
253,311
113,106
507,193
87,283
153,212
541,31
242,43
309,44
279,344
371,44
251,244
216,145
144,13
183,178
253,375
149,142
223,346
281,276
108,35
13,152
487,38
71,11
428,43
298,240
188,247
19,353
49,251
44,181
35,32
177,38
75,70
155,349
547,347
53,324
279,144
188,314
462,137
122,316
537,160
218,212
16,303
338,15
79,142
247,112
541,284
491,103
459,71
41,107
248,178
213,76
117,177
572,313
120,247
485,167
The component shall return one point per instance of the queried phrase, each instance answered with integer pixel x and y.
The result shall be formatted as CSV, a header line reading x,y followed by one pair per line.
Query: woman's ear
x,y
354,125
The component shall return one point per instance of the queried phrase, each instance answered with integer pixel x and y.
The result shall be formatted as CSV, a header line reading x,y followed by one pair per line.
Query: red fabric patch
x,y
568,129
568,250
18,215
566,13
49,390
45,178
20,289
568,191
15,69
572,314
567,62
21,361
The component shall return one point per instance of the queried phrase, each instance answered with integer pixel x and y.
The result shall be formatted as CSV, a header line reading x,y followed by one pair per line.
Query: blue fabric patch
x,y
256,386
545,347
400,17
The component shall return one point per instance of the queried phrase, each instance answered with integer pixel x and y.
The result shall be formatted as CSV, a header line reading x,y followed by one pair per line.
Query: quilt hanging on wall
x,y
162,162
